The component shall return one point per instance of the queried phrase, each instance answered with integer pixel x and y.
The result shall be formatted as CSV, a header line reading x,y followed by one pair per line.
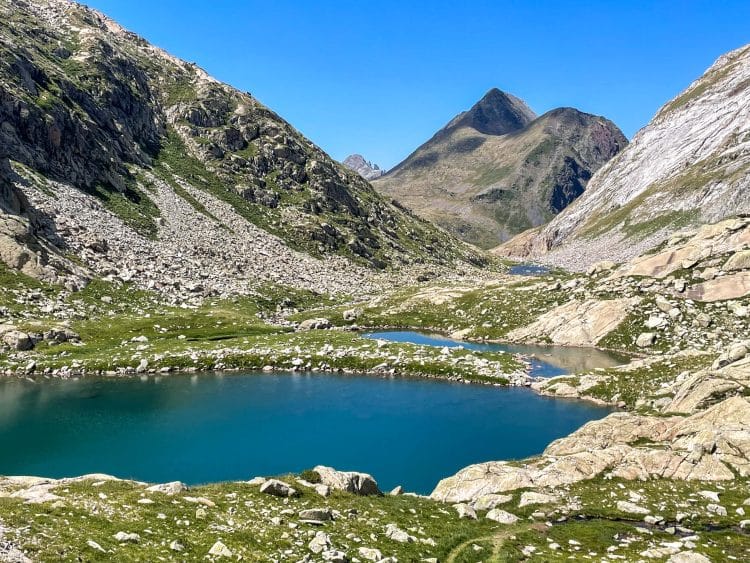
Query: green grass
x,y
630,385
259,527
133,207
120,325
490,175
489,311
180,89
673,219
241,518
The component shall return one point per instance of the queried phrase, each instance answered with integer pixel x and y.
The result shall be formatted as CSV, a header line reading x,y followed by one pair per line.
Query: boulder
x,y
711,445
688,557
171,488
488,502
733,286
370,554
501,516
631,508
219,550
319,543
645,339
531,497
277,488
316,514
315,324
60,334
465,511
349,481
124,537
18,340
738,261
351,315
396,534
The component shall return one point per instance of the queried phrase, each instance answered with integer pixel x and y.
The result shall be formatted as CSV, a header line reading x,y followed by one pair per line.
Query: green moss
x,y
310,476
248,152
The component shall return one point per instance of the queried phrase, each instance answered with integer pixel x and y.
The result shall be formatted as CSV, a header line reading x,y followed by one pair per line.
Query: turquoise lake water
x,y
546,361
226,427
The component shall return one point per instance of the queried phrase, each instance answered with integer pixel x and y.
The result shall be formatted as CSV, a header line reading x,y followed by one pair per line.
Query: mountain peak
x,y
364,168
496,113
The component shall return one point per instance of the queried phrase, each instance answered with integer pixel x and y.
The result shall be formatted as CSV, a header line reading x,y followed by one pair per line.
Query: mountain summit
x,y
498,169
497,113
364,168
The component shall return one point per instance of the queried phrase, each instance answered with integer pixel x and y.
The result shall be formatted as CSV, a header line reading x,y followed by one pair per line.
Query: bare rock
x,y
350,481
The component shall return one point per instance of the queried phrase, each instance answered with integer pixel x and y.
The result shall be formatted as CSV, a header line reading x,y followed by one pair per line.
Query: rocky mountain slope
x,y
689,165
118,159
364,168
498,169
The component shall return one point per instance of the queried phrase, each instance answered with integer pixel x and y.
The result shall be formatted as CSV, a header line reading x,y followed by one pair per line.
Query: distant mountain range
x,y
364,168
690,165
498,169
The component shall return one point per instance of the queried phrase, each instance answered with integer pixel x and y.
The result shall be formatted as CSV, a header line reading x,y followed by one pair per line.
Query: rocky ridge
x,y
364,168
498,169
687,167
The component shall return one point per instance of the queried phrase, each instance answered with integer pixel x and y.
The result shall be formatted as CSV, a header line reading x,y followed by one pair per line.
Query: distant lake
x,y
546,361
528,270
211,427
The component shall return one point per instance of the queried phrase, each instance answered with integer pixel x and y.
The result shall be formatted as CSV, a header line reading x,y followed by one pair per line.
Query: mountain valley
x,y
157,225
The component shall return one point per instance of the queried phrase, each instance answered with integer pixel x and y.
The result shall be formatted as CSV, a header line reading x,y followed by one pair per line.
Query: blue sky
x,y
380,77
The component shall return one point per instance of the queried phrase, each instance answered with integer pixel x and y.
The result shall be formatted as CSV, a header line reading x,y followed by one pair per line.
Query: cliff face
x,y
364,168
498,169
96,119
689,165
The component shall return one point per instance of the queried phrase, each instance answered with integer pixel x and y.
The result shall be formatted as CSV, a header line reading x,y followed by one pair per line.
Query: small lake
x,y
546,361
212,427
528,270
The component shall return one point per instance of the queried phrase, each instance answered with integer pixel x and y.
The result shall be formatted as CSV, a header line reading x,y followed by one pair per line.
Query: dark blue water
x,y
213,428
528,270
546,361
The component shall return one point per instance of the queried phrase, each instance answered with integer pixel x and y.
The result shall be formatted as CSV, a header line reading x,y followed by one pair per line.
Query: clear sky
x,y
380,77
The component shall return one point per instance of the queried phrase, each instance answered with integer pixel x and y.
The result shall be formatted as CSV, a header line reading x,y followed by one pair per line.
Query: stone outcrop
x,y
709,386
686,249
708,446
576,323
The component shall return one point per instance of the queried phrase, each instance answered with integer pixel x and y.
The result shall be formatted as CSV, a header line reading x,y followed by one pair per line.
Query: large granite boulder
x,y
349,481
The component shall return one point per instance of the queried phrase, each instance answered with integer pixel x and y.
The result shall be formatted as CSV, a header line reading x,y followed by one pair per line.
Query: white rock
x,y
219,550
501,516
